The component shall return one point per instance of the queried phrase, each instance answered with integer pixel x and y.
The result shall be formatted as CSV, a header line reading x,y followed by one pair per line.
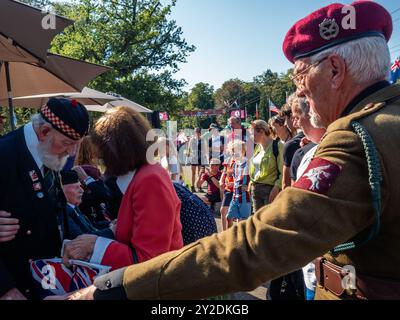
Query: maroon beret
x,y
333,25
91,171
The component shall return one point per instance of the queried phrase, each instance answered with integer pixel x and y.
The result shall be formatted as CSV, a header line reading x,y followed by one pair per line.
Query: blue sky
x,y
243,38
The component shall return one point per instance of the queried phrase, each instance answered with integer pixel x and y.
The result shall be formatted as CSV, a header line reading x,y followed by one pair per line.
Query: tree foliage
x,y
37,3
273,87
268,86
230,92
144,47
201,97
135,38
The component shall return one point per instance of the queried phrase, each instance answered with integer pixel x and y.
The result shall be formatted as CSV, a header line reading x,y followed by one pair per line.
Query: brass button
x,y
29,232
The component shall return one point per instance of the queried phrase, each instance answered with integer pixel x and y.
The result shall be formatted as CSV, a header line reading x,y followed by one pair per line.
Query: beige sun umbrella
x,y
26,30
11,52
25,36
57,74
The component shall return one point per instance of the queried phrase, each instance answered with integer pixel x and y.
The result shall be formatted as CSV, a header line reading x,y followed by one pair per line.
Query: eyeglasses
x,y
299,78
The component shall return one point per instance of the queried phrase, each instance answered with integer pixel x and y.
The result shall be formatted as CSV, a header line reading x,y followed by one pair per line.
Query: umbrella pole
x,y
10,102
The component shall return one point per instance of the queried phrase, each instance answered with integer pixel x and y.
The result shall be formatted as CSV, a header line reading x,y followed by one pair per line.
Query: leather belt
x,y
330,277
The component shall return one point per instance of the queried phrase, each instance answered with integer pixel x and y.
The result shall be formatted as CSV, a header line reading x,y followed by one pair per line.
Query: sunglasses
x,y
279,120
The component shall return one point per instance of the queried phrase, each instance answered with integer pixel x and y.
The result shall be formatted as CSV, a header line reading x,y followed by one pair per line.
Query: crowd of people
x,y
110,206
246,169
116,207
319,178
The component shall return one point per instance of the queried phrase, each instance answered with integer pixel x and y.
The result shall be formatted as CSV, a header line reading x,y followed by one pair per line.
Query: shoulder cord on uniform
x,y
375,180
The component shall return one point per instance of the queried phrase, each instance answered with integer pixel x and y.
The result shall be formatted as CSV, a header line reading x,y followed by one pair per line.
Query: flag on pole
x,y
395,71
15,119
235,105
272,107
257,112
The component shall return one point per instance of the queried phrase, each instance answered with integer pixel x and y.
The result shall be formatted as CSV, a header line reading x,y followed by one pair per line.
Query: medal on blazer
x,y
37,186
34,176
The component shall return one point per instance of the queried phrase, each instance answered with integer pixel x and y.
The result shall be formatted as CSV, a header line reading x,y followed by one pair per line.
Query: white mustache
x,y
51,161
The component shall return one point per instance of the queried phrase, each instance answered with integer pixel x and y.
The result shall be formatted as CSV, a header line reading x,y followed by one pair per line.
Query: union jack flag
x,y
52,278
242,179
395,71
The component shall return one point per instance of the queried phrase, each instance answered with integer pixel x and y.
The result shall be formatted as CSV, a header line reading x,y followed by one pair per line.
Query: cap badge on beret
x,y
329,29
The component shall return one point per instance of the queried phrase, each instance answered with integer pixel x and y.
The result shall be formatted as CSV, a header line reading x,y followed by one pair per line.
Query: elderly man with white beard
x,y
30,191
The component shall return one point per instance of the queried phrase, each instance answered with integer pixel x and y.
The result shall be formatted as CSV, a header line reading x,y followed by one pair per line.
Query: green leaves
x,y
134,37
144,47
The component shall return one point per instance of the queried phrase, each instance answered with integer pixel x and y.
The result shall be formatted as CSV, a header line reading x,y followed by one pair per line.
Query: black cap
x,y
69,117
69,177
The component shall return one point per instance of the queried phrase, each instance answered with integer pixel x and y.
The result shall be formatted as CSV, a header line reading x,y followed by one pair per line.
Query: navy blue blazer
x,y
21,195
79,224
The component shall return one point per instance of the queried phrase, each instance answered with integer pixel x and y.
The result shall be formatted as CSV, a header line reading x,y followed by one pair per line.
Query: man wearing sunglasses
x,y
348,194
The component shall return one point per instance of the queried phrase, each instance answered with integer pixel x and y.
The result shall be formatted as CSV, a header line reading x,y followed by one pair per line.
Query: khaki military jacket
x,y
304,222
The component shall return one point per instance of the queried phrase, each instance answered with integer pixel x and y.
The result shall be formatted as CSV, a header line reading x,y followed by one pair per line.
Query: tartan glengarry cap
x,y
334,25
69,177
69,117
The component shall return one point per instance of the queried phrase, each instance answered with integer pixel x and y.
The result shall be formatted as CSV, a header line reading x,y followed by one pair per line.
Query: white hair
x,y
38,121
291,99
367,59
304,106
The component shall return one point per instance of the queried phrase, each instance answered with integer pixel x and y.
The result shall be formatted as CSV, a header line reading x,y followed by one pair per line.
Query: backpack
x,y
275,151
197,219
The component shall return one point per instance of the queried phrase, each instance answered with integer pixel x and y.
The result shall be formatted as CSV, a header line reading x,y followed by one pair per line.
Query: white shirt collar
x,y
124,181
71,205
32,142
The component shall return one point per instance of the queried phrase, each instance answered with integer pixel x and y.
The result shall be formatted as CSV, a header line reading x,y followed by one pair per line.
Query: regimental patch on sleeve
x,y
319,176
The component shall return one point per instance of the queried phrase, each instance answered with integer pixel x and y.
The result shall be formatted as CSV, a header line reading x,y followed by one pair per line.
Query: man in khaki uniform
x,y
342,72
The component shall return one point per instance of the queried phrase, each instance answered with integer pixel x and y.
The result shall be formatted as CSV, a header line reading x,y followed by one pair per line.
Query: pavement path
x,y
257,294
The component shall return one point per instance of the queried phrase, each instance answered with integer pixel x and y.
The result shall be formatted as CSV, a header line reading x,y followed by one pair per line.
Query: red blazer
x,y
148,219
